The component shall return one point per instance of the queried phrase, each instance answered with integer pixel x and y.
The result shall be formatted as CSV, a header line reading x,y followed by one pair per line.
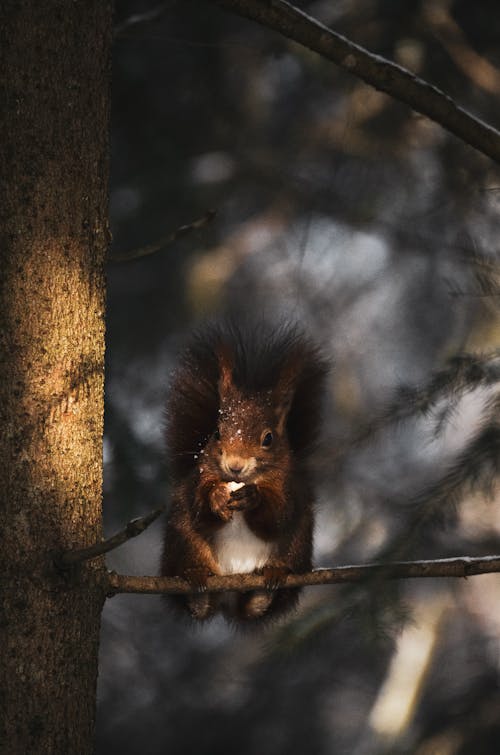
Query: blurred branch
x,y
134,527
373,69
165,240
462,566
479,70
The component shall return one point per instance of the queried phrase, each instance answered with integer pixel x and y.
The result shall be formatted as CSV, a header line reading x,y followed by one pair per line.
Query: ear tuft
x,y
285,389
226,367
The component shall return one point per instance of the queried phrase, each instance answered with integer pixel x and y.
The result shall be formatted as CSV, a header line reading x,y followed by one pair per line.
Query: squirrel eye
x,y
267,440
216,435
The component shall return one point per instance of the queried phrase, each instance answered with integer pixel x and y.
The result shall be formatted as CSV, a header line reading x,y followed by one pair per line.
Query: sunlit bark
x,y
53,157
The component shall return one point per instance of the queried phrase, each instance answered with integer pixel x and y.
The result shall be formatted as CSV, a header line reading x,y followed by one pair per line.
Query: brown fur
x,y
234,389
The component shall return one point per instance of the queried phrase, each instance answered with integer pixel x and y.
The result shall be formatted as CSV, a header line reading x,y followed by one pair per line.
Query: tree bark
x,y
54,58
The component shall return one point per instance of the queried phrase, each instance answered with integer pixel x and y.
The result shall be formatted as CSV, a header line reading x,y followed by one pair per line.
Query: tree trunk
x,y
54,59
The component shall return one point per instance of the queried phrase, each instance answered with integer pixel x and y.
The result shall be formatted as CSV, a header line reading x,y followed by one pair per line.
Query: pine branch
x,y
476,468
380,73
464,372
134,527
462,566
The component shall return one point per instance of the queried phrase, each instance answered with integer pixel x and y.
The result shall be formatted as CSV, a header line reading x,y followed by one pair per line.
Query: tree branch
x,y
164,241
380,73
463,566
134,527
153,14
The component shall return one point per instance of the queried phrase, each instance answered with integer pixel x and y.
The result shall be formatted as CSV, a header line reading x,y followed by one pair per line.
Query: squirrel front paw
x,y
219,502
197,577
275,575
245,498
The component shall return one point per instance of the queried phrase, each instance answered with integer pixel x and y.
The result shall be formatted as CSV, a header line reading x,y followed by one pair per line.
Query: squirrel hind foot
x,y
256,604
200,606
243,608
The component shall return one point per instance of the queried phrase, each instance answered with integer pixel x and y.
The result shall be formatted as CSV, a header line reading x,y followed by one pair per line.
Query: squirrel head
x,y
250,437
246,396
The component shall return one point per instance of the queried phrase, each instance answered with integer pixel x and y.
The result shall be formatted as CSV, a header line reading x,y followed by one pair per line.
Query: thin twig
x,y
134,527
153,14
462,566
165,240
373,69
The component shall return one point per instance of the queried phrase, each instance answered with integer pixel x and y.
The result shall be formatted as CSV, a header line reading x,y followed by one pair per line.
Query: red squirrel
x,y
242,419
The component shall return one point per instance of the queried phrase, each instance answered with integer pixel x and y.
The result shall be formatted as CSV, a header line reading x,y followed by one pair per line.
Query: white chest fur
x,y
237,549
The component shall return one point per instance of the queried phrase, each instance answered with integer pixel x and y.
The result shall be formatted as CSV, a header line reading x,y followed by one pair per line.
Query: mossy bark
x,y
54,58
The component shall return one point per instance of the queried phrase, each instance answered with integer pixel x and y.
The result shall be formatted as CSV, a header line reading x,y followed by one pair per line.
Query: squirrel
x,y
242,419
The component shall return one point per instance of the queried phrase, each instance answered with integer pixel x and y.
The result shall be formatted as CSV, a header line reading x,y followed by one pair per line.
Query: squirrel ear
x,y
225,370
282,410
284,392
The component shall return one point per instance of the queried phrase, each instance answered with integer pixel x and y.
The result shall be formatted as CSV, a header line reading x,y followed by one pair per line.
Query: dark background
x,y
346,210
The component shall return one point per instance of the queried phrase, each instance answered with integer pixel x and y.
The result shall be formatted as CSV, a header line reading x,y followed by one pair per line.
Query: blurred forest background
x,y
378,231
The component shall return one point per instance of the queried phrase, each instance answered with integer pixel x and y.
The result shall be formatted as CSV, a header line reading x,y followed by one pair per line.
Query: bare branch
x,y
153,14
373,69
134,527
463,566
165,240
